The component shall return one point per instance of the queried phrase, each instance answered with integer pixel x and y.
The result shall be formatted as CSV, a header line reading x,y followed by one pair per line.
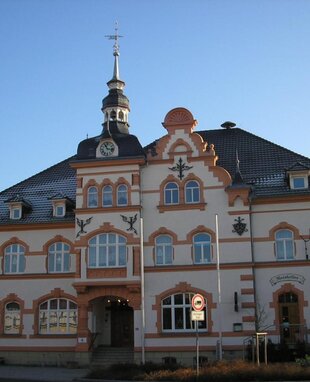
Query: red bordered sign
x,y
198,302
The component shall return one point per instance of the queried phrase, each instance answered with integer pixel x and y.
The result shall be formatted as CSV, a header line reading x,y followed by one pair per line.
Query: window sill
x,y
181,207
53,336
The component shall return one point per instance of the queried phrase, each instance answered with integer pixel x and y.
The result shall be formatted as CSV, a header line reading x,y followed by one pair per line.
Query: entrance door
x,y
289,318
121,325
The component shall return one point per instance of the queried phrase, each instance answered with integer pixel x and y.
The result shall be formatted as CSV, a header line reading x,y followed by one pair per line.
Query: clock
x,y
107,148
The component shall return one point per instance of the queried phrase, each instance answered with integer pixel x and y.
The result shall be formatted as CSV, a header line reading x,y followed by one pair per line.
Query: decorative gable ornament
x,y
180,167
239,226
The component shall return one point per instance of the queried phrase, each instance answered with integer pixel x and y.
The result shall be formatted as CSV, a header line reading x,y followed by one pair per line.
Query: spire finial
x,y
115,37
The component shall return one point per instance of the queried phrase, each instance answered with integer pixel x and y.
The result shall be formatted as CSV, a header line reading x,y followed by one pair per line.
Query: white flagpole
x,y
142,294
218,287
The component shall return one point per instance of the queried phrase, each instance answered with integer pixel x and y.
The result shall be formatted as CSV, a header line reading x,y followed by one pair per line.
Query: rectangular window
x,y
299,182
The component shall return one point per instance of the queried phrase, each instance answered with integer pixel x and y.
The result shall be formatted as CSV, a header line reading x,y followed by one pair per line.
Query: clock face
x,y
107,148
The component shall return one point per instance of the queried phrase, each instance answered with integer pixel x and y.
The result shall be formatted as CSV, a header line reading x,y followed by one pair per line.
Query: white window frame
x,y
202,248
59,258
122,194
16,212
284,244
163,250
14,259
182,310
172,193
107,250
104,193
191,188
92,197
54,319
12,318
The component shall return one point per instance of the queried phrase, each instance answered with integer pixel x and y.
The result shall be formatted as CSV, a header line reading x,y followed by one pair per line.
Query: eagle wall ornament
x,y
82,223
131,221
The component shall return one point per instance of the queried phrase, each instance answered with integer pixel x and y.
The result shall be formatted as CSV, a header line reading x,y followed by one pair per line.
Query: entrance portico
x,y
106,314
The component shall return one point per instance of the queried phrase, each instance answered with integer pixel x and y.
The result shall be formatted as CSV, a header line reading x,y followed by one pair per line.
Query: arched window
x,y
107,250
12,318
92,197
192,192
121,115
122,195
58,316
202,248
171,193
107,196
14,259
59,258
176,314
284,245
163,250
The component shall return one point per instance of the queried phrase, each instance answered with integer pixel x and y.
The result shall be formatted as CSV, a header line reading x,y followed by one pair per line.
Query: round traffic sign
x,y
198,302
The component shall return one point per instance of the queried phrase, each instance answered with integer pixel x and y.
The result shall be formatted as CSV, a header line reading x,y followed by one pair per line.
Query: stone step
x,y
106,356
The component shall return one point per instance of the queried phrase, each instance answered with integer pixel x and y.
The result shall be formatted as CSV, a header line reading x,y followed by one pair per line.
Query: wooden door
x,y
289,318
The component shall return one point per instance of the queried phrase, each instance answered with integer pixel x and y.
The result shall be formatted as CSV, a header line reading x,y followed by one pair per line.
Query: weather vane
x,y
115,37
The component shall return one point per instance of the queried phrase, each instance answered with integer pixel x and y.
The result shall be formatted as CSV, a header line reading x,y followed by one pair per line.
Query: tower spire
x,y
115,37
115,106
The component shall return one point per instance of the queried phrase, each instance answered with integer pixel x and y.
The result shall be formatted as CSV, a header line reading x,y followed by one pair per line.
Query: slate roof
x,y
263,165
38,191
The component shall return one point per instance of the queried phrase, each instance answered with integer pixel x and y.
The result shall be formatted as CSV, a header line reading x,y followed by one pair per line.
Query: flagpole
x,y
218,288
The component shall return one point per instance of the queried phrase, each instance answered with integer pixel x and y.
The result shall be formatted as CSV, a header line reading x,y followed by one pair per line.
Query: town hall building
x,y
102,253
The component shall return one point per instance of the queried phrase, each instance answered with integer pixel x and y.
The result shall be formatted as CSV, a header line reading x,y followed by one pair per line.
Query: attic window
x,y
59,210
298,176
16,212
61,204
299,182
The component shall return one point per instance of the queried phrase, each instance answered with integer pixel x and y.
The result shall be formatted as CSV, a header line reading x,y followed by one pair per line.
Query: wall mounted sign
x,y
287,277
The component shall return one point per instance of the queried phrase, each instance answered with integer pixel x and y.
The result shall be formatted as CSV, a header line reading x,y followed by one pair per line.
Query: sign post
x,y
198,304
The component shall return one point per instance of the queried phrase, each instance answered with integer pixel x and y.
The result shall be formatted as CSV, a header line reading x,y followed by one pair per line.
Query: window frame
x,y
57,313
122,194
283,243
171,194
182,311
92,197
16,258
102,249
14,314
192,190
104,193
165,247
204,247
60,256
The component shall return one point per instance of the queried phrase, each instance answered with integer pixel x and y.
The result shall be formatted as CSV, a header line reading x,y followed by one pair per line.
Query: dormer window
x,y
298,176
16,212
17,207
60,210
61,204
299,182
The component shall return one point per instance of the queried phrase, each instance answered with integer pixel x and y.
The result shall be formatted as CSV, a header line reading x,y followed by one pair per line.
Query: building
x,y
106,249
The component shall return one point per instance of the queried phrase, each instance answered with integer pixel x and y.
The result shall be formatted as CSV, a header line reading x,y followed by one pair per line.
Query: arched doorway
x,y
113,322
290,328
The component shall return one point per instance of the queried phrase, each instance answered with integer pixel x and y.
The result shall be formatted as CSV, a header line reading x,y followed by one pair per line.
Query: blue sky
x,y
245,61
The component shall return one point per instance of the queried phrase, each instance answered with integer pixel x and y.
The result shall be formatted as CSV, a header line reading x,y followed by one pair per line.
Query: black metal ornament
x,y
82,223
180,167
131,221
239,226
